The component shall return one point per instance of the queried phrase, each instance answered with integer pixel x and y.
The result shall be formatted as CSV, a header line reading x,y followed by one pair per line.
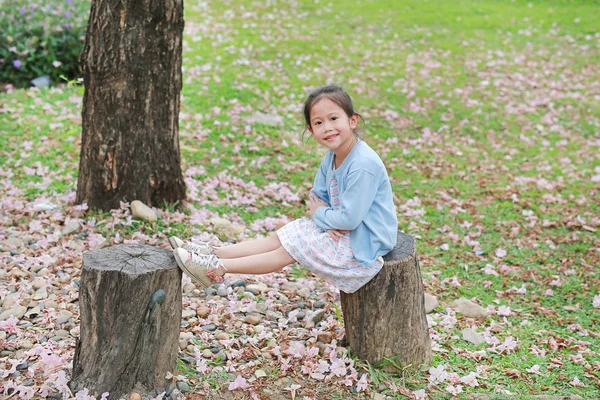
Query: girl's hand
x,y
313,204
336,234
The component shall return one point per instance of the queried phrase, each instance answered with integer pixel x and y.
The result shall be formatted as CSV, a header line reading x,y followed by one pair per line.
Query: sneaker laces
x,y
211,262
201,247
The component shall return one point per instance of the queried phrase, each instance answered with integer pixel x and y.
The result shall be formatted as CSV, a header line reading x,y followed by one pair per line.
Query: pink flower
x,y
501,253
504,311
238,383
596,301
438,374
10,325
362,383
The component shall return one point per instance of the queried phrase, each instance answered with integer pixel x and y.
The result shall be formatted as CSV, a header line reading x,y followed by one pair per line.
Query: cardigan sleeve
x,y
355,202
320,185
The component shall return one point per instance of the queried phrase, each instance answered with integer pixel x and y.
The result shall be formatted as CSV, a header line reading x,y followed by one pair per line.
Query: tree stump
x,y
385,320
130,306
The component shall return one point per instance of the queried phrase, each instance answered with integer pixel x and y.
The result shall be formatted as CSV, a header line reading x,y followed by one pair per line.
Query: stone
x,y
26,345
252,319
209,327
71,227
225,226
39,283
206,353
257,288
222,336
203,312
40,294
188,287
468,308
9,300
259,328
11,244
50,304
141,211
259,373
62,333
176,395
188,313
64,316
379,396
290,286
35,311
431,302
304,293
471,336
183,387
261,308
17,311
238,283
319,304
135,396
43,272
324,337
222,291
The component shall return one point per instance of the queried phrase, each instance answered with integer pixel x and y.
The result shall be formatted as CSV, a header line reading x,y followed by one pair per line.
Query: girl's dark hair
x,y
333,93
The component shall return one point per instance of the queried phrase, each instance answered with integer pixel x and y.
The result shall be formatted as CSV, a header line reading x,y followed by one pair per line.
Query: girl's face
x,y
331,127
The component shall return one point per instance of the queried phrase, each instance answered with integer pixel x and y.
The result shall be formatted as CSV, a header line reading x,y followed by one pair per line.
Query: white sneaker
x,y
198,247
202,268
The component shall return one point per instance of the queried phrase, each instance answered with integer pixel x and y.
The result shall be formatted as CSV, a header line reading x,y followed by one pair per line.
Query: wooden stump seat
x,y
385,320
130,305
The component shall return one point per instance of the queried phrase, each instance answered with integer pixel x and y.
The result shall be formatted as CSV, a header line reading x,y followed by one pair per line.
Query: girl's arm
x,y
320,185
355,201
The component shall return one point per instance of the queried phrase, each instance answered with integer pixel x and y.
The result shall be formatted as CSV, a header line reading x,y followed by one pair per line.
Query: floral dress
x,y
313,248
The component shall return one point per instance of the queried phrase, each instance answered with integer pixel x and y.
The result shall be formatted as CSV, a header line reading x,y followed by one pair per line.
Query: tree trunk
x,y
132,78
130,305
385,320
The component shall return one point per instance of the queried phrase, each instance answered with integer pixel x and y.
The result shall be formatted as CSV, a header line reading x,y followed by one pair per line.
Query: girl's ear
x,y
354,121
309,129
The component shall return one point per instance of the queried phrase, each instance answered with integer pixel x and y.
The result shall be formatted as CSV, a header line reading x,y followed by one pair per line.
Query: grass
x,y
492,97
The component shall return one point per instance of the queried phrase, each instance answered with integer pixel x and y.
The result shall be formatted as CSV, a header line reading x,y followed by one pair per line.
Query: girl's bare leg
x,y
248,247
263,263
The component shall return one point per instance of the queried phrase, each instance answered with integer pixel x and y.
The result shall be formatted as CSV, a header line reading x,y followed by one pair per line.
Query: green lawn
x,y
486,114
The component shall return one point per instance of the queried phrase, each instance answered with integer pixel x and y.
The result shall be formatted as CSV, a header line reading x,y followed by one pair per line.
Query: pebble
x,y
141,211
222,291
62,333
304,293
202,312
319,304
259,328
71,227
9,301
43,272
50,304
188,313
64,316
26,344
252,319
17,311
206,353
183,387
209,327
176,395
431,302
261,308
468,308
259,373
135,396
290,286
221,336
39,283
239,283
210,291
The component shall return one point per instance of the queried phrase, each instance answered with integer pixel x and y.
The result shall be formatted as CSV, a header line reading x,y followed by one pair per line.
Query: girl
x,y
352,220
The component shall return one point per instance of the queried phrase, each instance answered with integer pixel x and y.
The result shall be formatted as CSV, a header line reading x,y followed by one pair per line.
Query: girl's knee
x,y
274,238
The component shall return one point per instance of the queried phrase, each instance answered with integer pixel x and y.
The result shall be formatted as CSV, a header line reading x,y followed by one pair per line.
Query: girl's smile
x,y
332,128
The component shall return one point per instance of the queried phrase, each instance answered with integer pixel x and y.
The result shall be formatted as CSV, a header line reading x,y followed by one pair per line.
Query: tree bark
x,y
132,78
130,305
385,320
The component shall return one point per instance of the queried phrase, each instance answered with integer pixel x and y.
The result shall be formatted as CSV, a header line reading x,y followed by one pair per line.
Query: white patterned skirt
x,y
334,261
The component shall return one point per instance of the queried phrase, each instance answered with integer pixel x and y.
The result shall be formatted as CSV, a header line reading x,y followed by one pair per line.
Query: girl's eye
x,y
334,118
318,123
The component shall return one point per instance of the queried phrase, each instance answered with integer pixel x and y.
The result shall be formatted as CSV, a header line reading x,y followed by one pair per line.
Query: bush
x,y
41,38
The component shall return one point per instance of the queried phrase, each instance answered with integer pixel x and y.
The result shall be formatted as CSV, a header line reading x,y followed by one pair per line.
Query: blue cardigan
x,y
366,203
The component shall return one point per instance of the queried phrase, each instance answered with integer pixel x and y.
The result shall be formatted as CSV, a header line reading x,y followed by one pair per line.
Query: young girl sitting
x,y
352,220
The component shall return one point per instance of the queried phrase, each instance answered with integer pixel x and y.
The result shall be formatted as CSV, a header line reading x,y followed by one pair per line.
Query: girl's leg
x,y
259,263
248,248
